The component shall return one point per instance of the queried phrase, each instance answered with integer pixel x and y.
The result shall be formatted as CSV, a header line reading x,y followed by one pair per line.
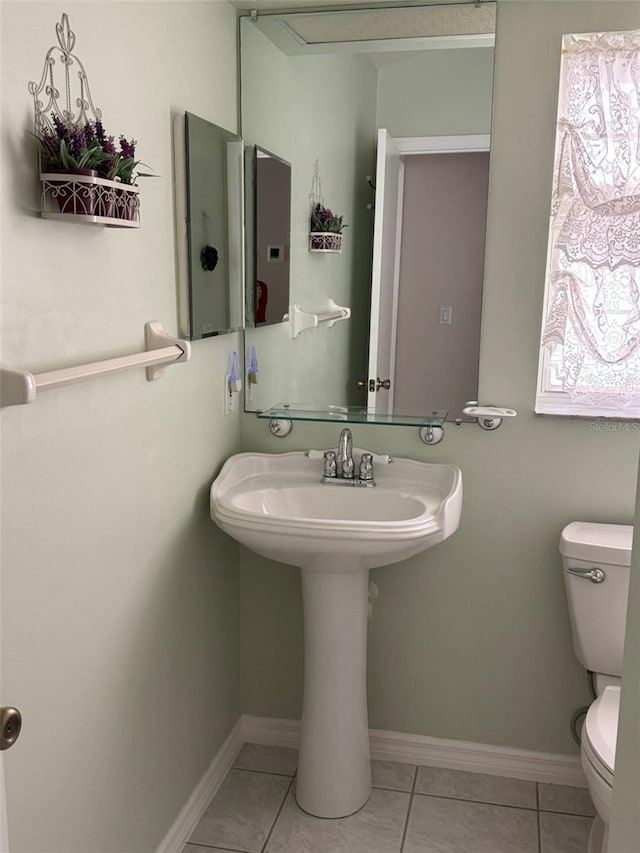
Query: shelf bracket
x,y
488,417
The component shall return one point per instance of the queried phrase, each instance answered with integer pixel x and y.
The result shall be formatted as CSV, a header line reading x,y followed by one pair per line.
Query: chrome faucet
x,y
345,455
338,470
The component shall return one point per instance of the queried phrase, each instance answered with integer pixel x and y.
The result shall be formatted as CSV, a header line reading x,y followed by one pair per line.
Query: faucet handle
x,y
329,466
366,467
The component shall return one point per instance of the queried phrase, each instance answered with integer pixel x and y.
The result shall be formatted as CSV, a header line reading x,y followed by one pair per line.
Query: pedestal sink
x,y
276,506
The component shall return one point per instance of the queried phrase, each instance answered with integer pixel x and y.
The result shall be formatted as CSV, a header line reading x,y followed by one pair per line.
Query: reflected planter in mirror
x,y
325,241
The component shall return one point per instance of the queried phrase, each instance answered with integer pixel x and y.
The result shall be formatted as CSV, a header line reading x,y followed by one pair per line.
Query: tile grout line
x,y
278,813
478,802
566,814
415,779
406,822
266,772
539,826
393,790
538,820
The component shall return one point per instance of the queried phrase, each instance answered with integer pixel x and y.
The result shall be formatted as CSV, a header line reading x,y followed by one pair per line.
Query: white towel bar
x,y
20,386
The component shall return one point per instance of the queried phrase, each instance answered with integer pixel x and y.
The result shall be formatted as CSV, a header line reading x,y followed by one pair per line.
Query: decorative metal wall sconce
x,y
84,177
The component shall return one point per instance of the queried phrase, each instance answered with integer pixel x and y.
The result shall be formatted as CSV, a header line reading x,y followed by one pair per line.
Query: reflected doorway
x,y
428,268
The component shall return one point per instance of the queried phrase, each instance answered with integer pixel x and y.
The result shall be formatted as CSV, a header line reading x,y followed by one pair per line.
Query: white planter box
x,y
325,241
89,199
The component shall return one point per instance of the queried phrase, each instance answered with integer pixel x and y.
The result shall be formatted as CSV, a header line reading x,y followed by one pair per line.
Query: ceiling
x,y
408,27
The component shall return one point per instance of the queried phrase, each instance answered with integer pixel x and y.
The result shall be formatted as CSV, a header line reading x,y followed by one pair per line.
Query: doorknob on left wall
x,y
10,726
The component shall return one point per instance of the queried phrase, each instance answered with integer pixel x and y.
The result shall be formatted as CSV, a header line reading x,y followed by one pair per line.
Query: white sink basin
x,y
276,505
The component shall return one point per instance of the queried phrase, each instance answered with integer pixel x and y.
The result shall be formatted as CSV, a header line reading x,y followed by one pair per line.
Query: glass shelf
x,y
352,415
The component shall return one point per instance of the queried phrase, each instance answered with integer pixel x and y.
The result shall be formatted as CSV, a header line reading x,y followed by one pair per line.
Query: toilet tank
x,y
597,611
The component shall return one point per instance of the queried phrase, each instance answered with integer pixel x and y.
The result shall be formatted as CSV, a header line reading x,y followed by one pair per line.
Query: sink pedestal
x,y
334,771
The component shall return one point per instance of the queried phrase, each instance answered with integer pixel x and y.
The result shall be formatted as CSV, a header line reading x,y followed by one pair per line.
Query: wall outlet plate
x,y
230,397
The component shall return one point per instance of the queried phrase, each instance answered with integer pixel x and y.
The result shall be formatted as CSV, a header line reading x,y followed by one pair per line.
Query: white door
x,y
4,839
384,275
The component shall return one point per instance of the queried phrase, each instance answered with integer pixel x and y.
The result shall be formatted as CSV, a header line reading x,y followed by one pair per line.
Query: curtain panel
x,y
591,331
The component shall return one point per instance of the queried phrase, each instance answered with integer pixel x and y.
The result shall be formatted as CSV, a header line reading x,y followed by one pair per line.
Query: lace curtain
x,y
592,326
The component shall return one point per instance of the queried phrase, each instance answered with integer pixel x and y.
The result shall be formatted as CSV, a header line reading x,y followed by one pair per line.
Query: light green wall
x,y
625,827
303,108
471,640
444,93
120,598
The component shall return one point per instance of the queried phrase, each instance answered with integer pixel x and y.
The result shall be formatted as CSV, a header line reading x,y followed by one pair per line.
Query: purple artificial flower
x,y
76,143
50,147
108,146
89,133
61,128
128,149
100,132
324,219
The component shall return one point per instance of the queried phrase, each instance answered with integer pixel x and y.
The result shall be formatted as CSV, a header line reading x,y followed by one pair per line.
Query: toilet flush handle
x,y
593,575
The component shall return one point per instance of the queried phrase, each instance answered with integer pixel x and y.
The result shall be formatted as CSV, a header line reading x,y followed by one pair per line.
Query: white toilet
x,y
596,560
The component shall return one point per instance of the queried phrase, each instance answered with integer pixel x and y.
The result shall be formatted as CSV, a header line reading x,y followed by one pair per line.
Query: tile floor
x,y
411,810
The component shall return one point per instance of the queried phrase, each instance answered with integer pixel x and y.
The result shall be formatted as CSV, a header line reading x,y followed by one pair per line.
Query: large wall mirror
x,y
394,104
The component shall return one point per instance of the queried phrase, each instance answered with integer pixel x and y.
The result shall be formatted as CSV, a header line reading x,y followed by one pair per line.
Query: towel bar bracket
x,y
155,338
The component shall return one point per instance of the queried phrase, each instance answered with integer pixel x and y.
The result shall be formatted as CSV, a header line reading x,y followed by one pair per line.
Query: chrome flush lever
x,y
593,575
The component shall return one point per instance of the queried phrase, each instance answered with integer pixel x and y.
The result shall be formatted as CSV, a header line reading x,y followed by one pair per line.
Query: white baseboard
x,y
197,803
270,731
436,752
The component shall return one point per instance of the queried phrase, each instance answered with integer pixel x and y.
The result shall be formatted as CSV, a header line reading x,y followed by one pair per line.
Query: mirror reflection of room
x,y
208,188
272,205
440,280
338,82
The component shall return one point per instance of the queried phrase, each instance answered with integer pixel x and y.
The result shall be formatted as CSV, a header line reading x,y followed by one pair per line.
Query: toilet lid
x,y
601,726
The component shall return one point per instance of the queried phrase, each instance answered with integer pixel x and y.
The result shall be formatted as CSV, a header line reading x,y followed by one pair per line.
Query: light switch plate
x,y
446,314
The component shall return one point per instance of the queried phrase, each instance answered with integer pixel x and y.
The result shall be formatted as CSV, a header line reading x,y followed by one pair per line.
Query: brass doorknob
x,y
10,725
